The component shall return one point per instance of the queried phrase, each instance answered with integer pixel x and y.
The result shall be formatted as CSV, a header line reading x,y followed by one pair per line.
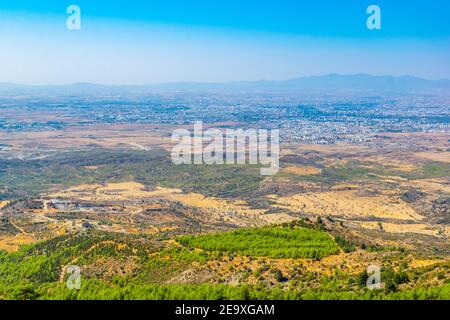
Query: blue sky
x,y
131,42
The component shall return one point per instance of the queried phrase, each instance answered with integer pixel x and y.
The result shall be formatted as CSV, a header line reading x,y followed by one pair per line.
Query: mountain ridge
x,y
330,82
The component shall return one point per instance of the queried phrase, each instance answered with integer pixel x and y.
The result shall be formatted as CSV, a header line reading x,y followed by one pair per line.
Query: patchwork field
x,y
347,204
141,227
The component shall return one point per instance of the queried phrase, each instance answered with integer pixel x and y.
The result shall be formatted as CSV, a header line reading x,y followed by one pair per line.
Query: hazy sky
x,y
132,42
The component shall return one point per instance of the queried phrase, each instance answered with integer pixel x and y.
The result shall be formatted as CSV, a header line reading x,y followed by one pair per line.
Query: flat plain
x,y
78,190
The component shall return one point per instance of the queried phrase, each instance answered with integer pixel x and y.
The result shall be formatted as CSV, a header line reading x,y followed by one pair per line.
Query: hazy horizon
x,y
226,81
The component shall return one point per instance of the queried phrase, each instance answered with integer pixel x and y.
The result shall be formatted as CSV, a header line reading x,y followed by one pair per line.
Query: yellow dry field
x,y
392,162
90,167
277,218
418,263
302,170
405,167
345,186
397,165
338,147
111,191
118,228
3,204
435,156
11,244
353,262
215,205
347,204
431,185
392,179
134,190
404,228
436,140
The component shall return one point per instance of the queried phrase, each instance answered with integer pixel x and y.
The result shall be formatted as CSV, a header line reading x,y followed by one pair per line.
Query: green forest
x,y
36,271
274,242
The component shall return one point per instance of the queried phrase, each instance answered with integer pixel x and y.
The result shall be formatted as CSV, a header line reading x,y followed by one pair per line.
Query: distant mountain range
x,y
332,83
